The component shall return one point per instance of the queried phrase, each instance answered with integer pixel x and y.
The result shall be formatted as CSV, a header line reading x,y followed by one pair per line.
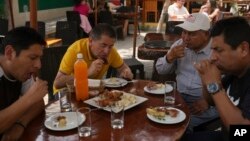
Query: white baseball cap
x,y
195,22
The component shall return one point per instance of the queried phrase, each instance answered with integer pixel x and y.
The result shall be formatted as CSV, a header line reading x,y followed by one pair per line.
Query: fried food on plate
x,y
154,86
60,121
161,112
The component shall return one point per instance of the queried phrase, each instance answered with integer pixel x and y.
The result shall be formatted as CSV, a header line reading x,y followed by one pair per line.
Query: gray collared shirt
x,y
187,77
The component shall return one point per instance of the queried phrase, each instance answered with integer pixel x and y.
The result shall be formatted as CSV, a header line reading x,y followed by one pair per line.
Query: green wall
x,y
46,4
2,14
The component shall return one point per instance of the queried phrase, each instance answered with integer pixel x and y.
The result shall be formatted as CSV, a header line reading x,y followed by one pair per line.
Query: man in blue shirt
x,y
194,46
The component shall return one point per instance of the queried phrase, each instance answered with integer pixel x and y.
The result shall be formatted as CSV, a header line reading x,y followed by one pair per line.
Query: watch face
x,y
212,88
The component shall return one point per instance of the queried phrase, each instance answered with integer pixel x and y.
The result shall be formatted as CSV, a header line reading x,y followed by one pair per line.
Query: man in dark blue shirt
x,y
21,95
231,57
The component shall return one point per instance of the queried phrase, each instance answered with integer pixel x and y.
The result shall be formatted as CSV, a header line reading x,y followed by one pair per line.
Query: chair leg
x,y
142,73
139,29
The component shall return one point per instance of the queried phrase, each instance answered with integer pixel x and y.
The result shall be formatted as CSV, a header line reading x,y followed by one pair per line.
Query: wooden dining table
x,y
137,126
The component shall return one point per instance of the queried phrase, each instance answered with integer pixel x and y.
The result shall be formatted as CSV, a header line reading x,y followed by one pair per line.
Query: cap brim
x,y
191,27
188,27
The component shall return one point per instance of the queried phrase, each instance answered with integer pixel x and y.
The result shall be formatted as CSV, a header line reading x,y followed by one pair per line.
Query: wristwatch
x,y
213,88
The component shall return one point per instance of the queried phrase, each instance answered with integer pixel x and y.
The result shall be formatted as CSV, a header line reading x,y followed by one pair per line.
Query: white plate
x,y
139,100
115,82
168,88
168,119
70,118
159,91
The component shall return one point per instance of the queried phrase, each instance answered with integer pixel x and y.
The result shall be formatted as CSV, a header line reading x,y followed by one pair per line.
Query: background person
x,y
99,54
164,13
177,13
84,9
21,98
211,9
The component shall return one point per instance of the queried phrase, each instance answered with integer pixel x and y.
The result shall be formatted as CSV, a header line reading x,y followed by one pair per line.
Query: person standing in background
x,y
163,16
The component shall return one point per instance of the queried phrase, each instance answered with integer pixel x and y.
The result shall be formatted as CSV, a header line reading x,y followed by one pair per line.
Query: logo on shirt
x,y
234,99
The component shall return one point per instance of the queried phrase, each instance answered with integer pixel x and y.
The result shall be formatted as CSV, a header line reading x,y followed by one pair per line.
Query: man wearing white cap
x,y
193,47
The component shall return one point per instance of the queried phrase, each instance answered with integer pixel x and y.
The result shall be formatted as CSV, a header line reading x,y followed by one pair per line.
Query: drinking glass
x,y
84,129
169,95
117,116
65,100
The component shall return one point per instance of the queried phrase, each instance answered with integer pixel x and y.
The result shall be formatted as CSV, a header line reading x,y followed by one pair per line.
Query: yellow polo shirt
x,y
82,46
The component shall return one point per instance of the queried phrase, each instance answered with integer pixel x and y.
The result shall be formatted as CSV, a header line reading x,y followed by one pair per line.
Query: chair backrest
x,y
4,24
67,31
40,26
50,64
105,16
73,16
172,28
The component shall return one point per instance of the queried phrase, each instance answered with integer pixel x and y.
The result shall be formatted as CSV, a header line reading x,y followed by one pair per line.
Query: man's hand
x,y
208,72
37,91
199,106
95,67
127,74
13,134
175,52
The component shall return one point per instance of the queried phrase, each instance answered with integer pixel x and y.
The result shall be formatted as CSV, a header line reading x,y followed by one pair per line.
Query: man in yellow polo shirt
x,y
98,52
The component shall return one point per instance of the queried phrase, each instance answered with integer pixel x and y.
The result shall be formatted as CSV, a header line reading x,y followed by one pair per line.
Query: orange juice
x,y
81,78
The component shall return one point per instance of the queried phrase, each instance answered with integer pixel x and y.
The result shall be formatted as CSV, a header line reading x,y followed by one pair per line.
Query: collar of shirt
x,y
3,74
207,49
91,58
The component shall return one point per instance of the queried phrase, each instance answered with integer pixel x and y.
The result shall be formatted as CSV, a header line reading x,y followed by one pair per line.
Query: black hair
x,y
21,38
102,29
235,30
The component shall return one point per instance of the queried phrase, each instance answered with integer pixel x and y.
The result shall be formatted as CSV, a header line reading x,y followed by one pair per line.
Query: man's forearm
x,y
163,67
61,81
8,117
32,112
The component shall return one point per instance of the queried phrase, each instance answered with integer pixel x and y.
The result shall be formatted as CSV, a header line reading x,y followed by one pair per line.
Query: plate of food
x,y
63,121
120,98
165,115
154,88
115,82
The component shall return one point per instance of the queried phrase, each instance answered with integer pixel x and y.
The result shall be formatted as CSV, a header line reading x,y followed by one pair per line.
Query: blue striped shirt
x,y
187,77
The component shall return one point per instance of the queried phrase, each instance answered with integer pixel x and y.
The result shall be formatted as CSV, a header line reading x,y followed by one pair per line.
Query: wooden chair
x,y
75,16
172,29
150,6
67,31
105,16
50,64
40,26
133,64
